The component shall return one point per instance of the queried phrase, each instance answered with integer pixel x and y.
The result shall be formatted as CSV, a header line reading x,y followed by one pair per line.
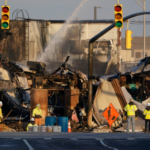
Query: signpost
x,y
111,114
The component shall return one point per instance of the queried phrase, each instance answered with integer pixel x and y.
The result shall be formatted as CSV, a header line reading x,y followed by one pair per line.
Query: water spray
x,y
49,51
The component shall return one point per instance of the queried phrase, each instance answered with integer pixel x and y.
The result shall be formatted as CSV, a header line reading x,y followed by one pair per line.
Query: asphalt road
x,y
74,144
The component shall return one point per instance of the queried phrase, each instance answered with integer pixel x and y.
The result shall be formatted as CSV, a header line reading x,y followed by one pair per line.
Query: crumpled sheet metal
x,y
127,95
146,101
104,96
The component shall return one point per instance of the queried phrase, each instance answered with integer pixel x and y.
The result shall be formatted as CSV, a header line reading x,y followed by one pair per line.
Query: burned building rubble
x,y
118,89
17,81
137,82
68,91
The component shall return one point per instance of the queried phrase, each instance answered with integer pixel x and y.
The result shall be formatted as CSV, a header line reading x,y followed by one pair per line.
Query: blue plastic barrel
x,y
63,122
50,121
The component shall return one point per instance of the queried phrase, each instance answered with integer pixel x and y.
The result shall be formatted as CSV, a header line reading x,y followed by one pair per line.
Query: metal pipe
x,y
144,42
90,88
127,24
90,62
15,118
144,48
7,114
5,2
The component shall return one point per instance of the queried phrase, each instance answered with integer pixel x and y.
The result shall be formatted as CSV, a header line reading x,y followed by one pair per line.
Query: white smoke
x,y
49,52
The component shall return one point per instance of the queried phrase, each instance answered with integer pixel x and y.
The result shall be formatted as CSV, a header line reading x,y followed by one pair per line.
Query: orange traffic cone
x,y
69,126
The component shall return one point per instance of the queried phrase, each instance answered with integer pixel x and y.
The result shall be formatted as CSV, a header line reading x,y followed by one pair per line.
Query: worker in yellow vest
x,y
130,109
1,114
32,123
37,115
147,116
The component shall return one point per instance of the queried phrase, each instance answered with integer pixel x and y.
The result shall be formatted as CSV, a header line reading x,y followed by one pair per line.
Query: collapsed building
x,y
120,88
65,91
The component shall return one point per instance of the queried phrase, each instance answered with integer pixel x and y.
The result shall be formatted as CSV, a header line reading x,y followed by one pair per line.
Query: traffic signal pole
x,y
144,44
90,63
119,49
118,46
5,2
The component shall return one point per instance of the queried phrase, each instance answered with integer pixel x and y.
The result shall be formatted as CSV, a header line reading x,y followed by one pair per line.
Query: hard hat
x,y
38,105
131,100
1,103
32,119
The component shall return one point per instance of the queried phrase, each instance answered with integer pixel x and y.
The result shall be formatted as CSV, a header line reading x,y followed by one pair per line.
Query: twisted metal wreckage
x,y
16,82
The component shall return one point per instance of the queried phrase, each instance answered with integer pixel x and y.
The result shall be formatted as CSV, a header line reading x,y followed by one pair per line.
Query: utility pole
x,y
118,47
144,46
95,12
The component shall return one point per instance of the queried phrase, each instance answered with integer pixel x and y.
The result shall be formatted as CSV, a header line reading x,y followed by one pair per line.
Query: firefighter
x,y
32,123
37,115
1,114
147,116
130,109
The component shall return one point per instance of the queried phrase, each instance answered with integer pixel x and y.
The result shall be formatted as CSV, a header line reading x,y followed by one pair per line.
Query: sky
x,y
62,9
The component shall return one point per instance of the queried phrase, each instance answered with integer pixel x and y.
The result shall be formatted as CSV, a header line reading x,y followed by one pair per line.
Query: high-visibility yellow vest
x,y
130,110
147,114
37,111
30,126
1,115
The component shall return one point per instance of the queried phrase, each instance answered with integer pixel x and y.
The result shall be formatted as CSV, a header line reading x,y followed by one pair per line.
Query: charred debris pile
x,y
17,81
137,82
68,92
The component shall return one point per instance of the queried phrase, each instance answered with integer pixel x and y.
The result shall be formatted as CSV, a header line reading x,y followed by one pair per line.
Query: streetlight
x,y
144,47
95,13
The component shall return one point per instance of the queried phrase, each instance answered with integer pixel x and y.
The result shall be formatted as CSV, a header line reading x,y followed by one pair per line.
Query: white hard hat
x,y
131,100
38,105
32,119
1,103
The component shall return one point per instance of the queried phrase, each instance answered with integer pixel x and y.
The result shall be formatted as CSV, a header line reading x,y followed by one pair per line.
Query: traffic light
x,y
118,16
128,39
5,17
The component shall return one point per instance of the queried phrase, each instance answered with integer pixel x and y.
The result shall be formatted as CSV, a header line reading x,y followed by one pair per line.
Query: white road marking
x,y
29,146
101,141
130,139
